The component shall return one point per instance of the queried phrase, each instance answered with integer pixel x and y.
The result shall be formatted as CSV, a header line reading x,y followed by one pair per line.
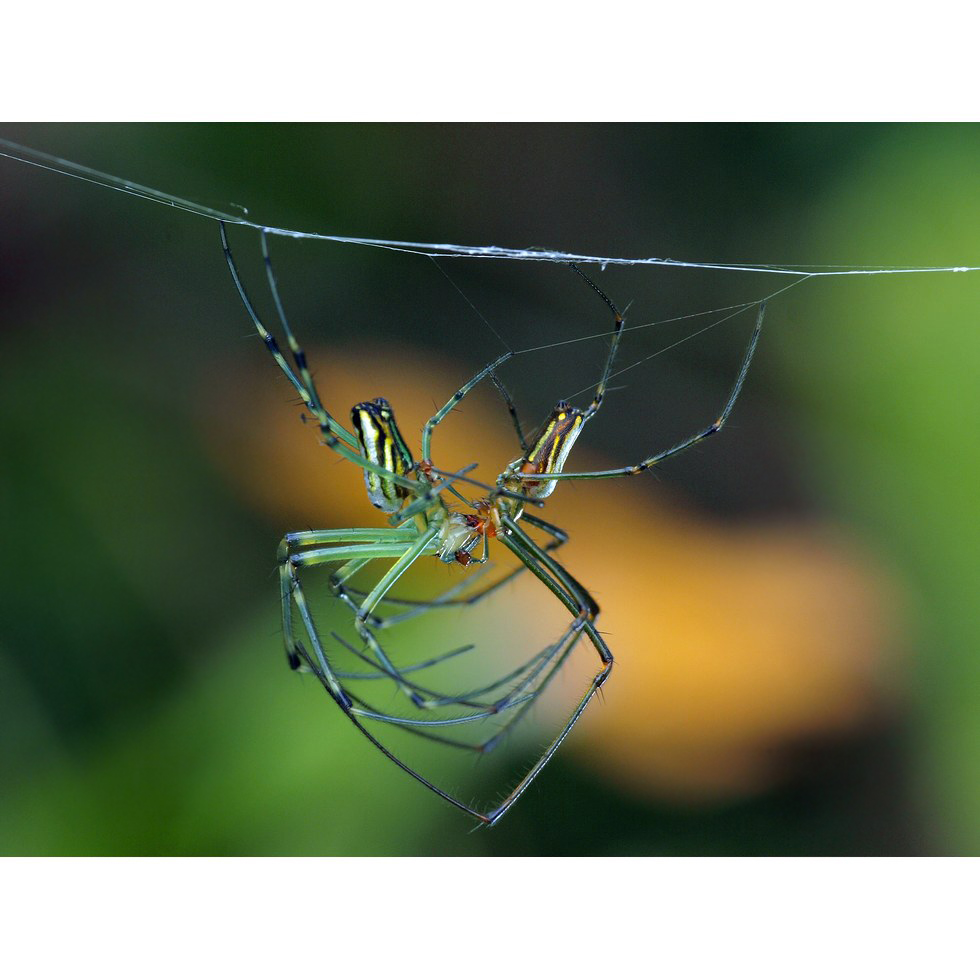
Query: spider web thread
x,y
46,161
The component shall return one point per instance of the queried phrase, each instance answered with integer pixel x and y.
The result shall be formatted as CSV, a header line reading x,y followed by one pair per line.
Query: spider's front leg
x,y
553,474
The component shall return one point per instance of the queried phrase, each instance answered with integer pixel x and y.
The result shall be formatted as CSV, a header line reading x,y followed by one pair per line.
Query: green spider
x,y
425,520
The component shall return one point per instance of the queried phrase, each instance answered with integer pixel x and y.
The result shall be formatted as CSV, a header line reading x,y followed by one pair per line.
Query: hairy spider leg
x,y
345,544
335,436
576,598
320,667
299,355
713,429
490,372
357,546
512,409
448,599
382,547
456,398
568,590
307,392
445,701
554,440
378,544
578,601
555,654
525,675
375,675
617,336
292,590
351,596
422,697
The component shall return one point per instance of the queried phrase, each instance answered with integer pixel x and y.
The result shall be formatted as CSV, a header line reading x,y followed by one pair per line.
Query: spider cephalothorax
x,y
463,533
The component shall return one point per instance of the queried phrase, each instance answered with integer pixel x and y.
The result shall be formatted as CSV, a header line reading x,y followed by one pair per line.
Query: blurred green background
x,y
145,707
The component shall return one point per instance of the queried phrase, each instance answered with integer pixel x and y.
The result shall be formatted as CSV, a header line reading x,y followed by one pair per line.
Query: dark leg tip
x,y
490,744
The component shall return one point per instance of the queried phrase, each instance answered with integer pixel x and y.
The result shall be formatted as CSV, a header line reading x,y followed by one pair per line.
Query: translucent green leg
x,y
574,597
357,544
456,399
578,601
371,544
320,667
710,430
448,599
534,557
531,668
334,434
366,547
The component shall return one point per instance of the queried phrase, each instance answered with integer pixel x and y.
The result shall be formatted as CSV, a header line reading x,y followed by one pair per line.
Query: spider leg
x,y
457,397
368,712
299,355
532,667
537,672
556,654
348,542
713,429
490,369
418,544
449,478
335,436
417,607
320,667
578,601
492,491
406,669
613,348
366,546
427,699
306,389
512,409
292,591
521,701
363,543
448,599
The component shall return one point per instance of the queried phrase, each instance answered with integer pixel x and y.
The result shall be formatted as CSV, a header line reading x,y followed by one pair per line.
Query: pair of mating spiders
x,y
414,495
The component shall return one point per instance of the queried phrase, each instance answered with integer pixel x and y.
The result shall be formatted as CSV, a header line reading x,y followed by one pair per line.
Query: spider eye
x,y
562,406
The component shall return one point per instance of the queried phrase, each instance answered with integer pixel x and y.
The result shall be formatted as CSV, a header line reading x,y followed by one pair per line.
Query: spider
x,y
425,519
